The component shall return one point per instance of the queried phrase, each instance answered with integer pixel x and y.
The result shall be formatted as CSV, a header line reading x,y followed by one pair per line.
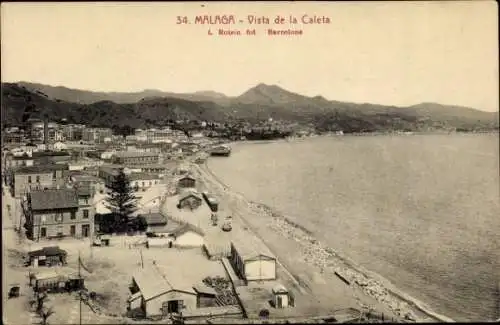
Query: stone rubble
x,y
328,261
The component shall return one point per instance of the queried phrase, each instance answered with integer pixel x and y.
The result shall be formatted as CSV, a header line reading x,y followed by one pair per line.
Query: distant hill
x,y
154,107
90,97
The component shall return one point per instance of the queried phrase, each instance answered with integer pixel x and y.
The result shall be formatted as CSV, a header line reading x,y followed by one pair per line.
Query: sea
x,y
422,211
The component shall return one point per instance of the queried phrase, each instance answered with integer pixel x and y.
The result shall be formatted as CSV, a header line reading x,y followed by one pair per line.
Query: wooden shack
x,y
280,296
205,296
47,256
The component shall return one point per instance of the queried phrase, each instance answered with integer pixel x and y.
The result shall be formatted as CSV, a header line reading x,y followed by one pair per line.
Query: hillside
x,y
19,104
259,103
90,97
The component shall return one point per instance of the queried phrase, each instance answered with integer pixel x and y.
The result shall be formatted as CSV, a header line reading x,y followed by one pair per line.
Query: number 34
x,y
182,20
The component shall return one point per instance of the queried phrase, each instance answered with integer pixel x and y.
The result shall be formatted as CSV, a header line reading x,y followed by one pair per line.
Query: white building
x,y
157,296
59,146
253,261
188,235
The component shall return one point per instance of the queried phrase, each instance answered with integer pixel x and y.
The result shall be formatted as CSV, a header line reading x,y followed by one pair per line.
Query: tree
x,y
44,314
121,200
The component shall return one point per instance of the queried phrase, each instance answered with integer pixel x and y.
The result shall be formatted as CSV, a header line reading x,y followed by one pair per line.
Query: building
x,y
57,213
154,221
47,256
188,235
96,135
154,295
27,178
59,146
280,296
73,132
190,200
205,296
95,184
140,182
252,260
135,158
108,174
186,182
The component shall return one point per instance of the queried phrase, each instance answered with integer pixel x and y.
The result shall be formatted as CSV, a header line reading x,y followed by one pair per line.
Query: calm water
x,y
422,211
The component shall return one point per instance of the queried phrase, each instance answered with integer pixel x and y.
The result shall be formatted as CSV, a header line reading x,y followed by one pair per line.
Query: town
x,y
128,227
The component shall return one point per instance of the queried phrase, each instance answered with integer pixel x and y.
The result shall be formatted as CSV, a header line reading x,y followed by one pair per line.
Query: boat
x,y
222,150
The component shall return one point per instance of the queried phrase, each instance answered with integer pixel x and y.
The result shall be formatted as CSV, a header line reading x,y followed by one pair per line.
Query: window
x,y
73,215
59,217
86,200
29,179
38,179
85,230
54,175
43,232
85,214
72,231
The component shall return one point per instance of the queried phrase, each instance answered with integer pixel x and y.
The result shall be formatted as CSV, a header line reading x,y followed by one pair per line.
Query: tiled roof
x,y
187,193
203,288
154,218
152,283
54,199
185,228
48,251
41,168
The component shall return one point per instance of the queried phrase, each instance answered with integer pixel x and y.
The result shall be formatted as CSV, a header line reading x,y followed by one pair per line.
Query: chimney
x,y
45,131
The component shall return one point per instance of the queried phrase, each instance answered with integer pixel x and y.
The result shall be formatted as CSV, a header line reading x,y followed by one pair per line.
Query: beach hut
x,y
280,296
252,260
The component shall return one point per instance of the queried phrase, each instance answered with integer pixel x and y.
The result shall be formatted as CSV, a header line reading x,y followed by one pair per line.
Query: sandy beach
x,y
312,264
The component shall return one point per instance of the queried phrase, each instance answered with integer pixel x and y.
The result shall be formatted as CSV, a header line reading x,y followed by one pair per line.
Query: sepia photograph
x,y
265,162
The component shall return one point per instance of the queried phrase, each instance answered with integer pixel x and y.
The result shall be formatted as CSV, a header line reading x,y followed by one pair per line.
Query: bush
x,y
264,313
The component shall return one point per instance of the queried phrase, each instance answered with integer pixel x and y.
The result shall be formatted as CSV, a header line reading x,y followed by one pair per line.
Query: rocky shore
x,y
328,261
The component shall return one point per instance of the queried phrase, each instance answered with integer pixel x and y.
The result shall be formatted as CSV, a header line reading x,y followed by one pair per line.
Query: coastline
x,y
372,284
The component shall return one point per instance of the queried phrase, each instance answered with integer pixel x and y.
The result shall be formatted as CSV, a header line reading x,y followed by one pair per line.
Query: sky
x,y
375,52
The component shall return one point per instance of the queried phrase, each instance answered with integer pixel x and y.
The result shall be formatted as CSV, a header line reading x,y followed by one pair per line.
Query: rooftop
x,y
185,228
154,218
203,288
142,176
133,154
48,251
63,198
195,217
152,283
37,169
250,247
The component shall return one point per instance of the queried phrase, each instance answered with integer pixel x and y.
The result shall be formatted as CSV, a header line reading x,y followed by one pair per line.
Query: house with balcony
x,y
58,213
27,178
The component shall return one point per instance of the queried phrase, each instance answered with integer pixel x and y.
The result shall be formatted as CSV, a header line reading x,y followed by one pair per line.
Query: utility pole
x,y
80,281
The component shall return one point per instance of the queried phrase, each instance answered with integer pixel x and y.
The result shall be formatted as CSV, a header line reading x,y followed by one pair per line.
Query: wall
x,y
189,239
154,306
205,301
53,227
21,184
261,269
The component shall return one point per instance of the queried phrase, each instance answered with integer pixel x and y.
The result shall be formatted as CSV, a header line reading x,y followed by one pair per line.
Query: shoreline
x,y
371,283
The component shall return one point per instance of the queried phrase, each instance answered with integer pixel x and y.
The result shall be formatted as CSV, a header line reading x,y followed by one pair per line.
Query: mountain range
x,y
23,100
